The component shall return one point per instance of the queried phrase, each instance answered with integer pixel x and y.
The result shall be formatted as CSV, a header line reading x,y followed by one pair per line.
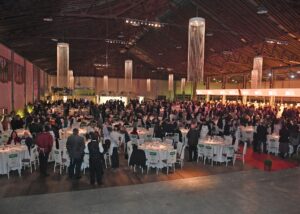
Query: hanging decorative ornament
x,y
196,42
254,79
128,75
148,85
171,82
182,86
62,65
105,83
257,75
71,79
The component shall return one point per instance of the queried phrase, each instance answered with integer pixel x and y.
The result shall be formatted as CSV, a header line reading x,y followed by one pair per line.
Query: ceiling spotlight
x,y
243,40
48,19
270,74
262,10
209,34
178,47
292,76
54,39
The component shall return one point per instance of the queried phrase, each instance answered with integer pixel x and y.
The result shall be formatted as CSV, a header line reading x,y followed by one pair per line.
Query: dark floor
x,y
30,184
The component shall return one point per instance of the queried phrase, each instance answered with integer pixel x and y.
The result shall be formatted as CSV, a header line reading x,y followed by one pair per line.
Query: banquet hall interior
x,y
149,106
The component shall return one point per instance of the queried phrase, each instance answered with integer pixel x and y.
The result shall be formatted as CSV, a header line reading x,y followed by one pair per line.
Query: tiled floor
x,y
244,192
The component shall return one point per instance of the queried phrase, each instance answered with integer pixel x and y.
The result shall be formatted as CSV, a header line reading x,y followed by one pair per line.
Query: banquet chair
x,y
148,138
272,146
200,150
140,141
171,160
13,162
65,158
86,162
228,140
169,141
129,150
151,131
180,157
209,154
239,155
31,160
179,147
156,139
62,143
228,153
133,137
176,137
153,160
106,154
58,161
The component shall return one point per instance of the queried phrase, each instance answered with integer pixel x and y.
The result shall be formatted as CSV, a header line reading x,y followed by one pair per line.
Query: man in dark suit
x,y
193,136
261,136
75,146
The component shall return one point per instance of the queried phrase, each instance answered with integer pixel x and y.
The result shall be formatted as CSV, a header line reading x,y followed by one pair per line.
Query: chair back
x,y
33,152
172,156
156,139
62,143
152,157
169,141
200,148
176,137
228,140
57,156
182,152
13,160
229,151
151,131
129,148
179,147
148,138
208,151
140,141
133,137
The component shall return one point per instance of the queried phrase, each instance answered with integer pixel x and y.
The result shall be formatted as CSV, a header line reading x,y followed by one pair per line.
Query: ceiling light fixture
x,y
136,23
262,10
275,41
48,19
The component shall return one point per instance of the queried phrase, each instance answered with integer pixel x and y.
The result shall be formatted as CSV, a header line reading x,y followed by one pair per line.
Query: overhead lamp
x,y
227,52
209,34
275,41
48,19
136,22
243,40
178,47
270,74
262,10
54,39
292,76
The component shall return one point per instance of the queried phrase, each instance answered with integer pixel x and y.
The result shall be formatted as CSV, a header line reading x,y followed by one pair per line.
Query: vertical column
x,y
207,87
128,76
171,85
244,98
12,80
25,81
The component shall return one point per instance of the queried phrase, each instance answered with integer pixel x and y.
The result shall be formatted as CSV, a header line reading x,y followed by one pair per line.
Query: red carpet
x,y
256,160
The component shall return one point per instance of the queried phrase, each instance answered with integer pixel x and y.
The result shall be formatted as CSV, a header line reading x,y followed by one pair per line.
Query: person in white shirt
x,y
115,137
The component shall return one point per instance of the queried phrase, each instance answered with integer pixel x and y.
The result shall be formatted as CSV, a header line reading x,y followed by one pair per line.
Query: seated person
x,y
14,139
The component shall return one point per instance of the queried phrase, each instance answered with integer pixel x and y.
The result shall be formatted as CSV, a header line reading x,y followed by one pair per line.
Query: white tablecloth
x,y
247,133
141,131
218,146
21,150
161,147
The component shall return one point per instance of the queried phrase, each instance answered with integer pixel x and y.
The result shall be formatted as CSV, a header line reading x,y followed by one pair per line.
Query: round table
x,y
218,146
141,131
21,150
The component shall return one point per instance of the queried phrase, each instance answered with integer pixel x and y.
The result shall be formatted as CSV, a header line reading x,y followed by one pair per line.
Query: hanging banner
x,y
257,74
105,83
182,86
62,65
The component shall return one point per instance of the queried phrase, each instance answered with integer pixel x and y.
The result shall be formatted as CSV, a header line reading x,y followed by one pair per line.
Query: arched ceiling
x,y
235,33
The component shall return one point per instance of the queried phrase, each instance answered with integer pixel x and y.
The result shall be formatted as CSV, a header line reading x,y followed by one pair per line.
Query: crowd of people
x,y
44,123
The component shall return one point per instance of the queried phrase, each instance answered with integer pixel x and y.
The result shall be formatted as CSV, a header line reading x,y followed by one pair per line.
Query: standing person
x,y
95,150
283,141
75,146
44,141
261,136
193,136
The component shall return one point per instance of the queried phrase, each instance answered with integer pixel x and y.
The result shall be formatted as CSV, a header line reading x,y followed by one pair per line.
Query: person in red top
x,y
44,141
